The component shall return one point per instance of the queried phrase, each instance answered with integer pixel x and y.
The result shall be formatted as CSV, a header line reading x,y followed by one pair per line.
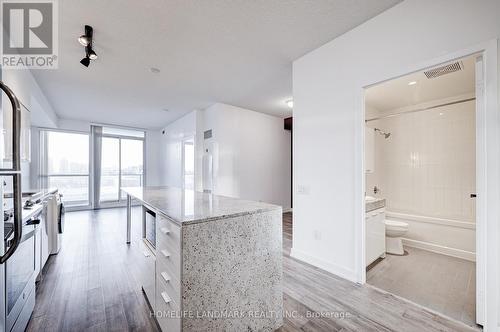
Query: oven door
x,y
20,275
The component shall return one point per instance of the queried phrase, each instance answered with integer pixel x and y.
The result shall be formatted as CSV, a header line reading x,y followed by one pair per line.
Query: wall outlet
x,y
302,189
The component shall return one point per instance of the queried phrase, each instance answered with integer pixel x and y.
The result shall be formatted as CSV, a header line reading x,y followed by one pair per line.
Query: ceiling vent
x,y
443,70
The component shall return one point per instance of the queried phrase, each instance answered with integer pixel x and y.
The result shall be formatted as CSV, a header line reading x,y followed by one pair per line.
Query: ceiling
x,y
397,93
236,52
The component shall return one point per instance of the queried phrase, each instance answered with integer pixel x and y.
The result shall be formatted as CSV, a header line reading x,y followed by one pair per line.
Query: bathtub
x,y
445,236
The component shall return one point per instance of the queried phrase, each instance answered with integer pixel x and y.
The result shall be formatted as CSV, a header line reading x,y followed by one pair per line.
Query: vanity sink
x,y
373,203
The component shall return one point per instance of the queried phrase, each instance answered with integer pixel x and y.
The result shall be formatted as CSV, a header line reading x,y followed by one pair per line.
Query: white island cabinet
x,y
214,257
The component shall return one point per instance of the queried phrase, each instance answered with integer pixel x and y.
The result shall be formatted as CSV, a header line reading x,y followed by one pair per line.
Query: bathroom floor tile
x,y
442,283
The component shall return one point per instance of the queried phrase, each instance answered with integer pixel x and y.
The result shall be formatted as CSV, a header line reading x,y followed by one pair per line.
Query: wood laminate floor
x,y
91,285
439,282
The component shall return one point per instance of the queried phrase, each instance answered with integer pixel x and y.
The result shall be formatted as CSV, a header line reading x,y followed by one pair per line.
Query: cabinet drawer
x,y
169,232
170,259
167,280
167,311
147,274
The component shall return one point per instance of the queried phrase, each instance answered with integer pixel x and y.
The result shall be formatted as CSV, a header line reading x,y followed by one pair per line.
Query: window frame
x,y
122,201
44,175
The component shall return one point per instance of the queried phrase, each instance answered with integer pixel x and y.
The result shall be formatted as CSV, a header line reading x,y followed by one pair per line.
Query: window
x,y
110,171
65,165
121,162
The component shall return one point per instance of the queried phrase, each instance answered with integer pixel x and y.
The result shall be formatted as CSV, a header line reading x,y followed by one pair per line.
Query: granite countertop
x,y
189,207
371,205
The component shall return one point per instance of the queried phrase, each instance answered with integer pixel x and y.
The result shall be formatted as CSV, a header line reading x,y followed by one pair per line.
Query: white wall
x,y
327,86
254,154
153,146
171,148
27,90
253,159
22,82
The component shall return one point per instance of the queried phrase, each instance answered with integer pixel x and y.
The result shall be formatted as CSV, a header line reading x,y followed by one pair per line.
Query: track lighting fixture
x,y
86,40
92,55
85,61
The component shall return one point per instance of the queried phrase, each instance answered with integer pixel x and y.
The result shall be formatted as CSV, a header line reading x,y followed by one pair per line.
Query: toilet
x,y
394,230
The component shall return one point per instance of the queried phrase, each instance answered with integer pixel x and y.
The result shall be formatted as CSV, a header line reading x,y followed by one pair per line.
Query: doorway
x,y
420,188
188,161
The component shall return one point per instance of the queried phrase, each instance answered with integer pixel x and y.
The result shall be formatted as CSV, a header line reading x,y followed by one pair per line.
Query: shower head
x,y
383,133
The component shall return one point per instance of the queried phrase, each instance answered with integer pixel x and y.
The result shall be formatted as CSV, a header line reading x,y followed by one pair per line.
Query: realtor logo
x,y
29,34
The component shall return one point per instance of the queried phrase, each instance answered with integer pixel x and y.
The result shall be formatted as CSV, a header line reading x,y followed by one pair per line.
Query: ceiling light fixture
x,y
289,103
84,40
412,83
154,70
85,61
87,41
92,55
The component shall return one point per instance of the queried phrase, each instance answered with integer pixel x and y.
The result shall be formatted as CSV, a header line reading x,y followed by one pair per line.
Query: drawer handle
x,y
165,276
165,230
165,253
146,253
165,297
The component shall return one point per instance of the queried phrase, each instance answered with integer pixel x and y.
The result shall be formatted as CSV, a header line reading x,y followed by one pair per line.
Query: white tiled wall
x,y
427,166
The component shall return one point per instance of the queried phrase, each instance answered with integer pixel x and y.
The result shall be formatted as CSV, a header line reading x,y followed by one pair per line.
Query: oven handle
x,y
15,172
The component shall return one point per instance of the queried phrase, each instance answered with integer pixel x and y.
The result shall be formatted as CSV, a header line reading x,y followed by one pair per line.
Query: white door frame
x,y
487,179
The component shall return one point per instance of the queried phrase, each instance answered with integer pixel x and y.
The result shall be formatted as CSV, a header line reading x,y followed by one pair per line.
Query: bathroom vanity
x,y
208,262
375,229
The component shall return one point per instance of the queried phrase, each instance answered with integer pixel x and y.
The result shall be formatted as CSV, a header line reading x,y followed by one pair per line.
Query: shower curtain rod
x,y
422,109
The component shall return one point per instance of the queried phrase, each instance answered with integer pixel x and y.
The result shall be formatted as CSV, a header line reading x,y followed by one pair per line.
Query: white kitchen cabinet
x,y
25,131
38,245
375,235
44,236
147,269
369,150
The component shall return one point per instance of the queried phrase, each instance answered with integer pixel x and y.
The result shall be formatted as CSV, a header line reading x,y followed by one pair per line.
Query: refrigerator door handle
x,y
15,172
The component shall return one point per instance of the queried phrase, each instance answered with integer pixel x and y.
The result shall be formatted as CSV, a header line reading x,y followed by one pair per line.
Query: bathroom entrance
x,y
420,188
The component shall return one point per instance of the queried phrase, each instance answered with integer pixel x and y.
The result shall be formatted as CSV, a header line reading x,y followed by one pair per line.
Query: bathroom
x,y
420,188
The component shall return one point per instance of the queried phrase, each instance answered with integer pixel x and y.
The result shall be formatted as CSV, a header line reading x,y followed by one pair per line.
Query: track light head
x,y
85,61
91,54
84,40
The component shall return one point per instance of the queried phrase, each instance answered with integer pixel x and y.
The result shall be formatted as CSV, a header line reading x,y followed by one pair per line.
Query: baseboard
x,y
463,254
327,266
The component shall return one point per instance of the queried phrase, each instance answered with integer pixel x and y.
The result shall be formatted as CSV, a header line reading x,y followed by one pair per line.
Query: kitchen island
x,y
213,263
